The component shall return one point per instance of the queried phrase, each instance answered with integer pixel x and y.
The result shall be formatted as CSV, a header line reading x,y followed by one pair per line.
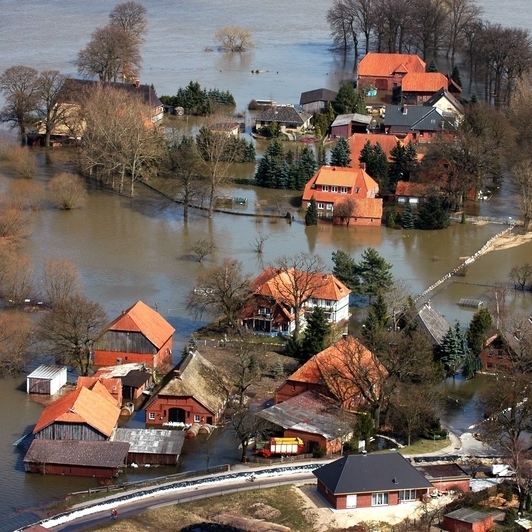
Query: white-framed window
x,y
151,415
321,206
197,418
325,188
329,207
334,189
379,499
357,190
343,190
407,495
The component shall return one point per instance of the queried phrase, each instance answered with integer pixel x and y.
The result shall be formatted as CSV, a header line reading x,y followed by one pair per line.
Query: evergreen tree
x,y
453,349
379,168
250,154
478,328
284,176
372,274
292,348
378,317
311,216
341,153
269,166
366,154
349,100
317,333
322,156
471,366
403,163
455,76
408,218
432,215
344,268
389,218
308,163
432,67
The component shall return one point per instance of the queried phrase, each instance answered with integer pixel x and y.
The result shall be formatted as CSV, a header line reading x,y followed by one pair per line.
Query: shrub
x,y
319,452
510,516
509,494
67,191
22,161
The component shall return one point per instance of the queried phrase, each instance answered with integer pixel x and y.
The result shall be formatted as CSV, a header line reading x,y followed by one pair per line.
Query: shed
x,y
46,380
467,520
443,477
100,459
151,446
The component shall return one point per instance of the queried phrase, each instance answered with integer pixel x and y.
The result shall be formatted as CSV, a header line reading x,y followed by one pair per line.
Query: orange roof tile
x,y
332,367
368,208
332,175
407,188
81,406
424,82
279,285
357,142
106,387
142,318
375,64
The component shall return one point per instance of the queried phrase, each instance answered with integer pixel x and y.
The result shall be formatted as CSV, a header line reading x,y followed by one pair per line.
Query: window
x,y
321,206
343,190
197,418
407,495
334,189
151,415
329,207
357,190
325,188
379,499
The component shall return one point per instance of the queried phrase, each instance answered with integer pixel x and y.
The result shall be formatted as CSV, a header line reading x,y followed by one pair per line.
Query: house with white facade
x,y
270,307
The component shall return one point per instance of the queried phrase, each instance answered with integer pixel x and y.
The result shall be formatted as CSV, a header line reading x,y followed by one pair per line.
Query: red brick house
x,y
314,418
330,373
386,71
496,357
418,87
468,520
332,186
139,334
192,392
371,480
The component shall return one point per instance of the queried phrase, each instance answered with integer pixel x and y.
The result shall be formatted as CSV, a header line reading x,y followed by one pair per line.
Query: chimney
x,y
137,83
362,166
177,374
405,109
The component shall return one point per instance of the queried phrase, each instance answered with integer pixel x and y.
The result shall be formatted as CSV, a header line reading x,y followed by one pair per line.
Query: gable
x,y
385,65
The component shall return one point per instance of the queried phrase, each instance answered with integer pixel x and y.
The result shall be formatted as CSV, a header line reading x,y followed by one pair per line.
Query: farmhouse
x,y
193,392
269,309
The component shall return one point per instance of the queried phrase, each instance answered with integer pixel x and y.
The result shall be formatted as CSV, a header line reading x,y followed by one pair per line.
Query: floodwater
x,y
139,249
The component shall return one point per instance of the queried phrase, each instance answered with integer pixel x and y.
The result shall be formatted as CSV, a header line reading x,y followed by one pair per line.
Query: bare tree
x,y
520,275
258,241
396,298
26,194
70,329
22,161
112,54
15,343
19,88
522,173
460,15
17,282
341,22
429,18
202,248
16,220
221,290
60,280
234,39
245,426
393,24
300,276
344,210
67,191
49,85
131,17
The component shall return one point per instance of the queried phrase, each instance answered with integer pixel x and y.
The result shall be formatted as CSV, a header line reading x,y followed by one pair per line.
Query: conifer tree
x,y
454,350
478,329
432,67
317,333
311,216
344,268
372,274
408,220
455,76
432,215
349,100
341,153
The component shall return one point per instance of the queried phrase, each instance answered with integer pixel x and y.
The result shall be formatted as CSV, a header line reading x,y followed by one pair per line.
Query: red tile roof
x,y
104,386
424,82
357,142
142,318
82,406
409,189
333,366
385,65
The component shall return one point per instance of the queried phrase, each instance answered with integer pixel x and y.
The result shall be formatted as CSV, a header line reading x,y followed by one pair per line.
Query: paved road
x,y
99,513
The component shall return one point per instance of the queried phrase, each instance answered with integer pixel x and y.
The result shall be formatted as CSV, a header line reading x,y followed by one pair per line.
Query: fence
x,y
281,459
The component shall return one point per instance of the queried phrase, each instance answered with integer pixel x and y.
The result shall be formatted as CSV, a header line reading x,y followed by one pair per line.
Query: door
x,y
176,414
351,501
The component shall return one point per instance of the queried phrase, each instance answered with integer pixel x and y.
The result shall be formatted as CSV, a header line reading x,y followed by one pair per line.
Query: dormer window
x,y
334,189
325,188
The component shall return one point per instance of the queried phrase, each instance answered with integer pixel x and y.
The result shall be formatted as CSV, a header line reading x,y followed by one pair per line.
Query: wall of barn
x,y
70,431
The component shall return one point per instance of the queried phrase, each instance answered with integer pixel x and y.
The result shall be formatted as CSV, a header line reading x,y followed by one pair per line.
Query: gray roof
x,y
368,473
310,412
433,323
467,515
284,114
136,378
317,95
47,372
439,472
342,120
151,441
195,377
410,118
78,452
